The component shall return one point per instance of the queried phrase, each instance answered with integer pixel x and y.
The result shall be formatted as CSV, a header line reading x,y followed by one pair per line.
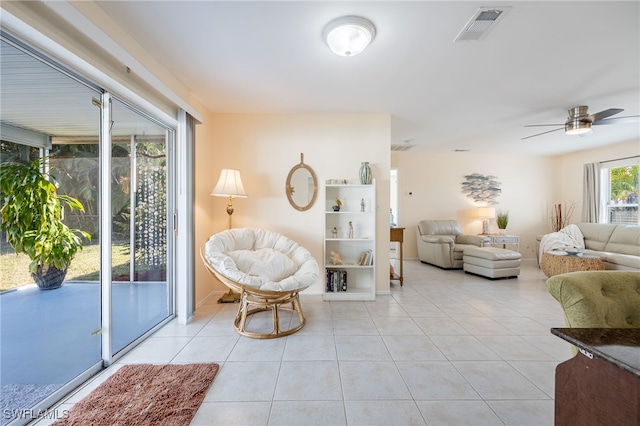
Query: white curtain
x,y
591,193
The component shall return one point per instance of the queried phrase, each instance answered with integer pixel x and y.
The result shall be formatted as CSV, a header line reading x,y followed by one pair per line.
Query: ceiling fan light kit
x,y
579,121
349,35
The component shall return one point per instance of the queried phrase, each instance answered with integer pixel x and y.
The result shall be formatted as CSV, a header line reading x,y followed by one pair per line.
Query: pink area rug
x,y
145,394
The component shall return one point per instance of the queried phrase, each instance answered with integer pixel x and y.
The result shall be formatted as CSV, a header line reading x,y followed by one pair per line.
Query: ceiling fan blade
x,y
543,133
543,125
604,114
618,120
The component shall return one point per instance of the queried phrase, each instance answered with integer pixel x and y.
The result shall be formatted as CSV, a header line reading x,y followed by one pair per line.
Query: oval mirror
x,y
301,186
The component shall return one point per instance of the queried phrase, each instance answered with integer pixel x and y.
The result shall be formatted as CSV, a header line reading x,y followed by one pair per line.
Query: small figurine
x,y
334,232
350,229
362,205
338,205
335,258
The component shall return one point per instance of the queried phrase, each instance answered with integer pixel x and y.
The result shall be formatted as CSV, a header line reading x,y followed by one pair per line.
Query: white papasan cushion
x,y
262,259
266,263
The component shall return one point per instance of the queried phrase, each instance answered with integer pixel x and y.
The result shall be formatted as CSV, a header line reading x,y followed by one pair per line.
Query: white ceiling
x,y
541,59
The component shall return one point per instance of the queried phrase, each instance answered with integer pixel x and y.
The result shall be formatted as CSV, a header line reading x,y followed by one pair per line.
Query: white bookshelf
x,y
360,278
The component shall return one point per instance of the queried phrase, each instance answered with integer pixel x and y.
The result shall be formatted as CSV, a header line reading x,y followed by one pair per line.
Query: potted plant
x,y
502,220
32,216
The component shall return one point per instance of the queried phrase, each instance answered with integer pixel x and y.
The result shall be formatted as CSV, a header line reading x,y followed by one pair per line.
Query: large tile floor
x,y
447,348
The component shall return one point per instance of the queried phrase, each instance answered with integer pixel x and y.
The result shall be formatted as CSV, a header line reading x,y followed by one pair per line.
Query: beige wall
x,y
435,181
530,187
264,147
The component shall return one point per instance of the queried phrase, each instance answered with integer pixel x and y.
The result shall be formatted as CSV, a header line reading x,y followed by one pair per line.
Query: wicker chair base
x,y
252,303
253,300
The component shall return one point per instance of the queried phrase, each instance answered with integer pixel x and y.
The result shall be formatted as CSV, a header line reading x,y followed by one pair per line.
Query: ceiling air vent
x,y
481,23
401,146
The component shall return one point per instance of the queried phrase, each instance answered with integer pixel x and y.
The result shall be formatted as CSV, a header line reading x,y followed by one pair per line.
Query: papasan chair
x,y
266,268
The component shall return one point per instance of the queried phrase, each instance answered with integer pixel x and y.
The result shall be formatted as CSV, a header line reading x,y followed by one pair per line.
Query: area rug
x,y
19,398
145,394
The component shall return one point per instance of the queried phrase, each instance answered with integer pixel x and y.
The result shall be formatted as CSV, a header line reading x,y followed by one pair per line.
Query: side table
x,y
559,262
501,241
397,235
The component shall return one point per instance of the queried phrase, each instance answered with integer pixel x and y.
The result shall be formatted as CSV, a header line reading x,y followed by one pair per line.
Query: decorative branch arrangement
x,y
558,219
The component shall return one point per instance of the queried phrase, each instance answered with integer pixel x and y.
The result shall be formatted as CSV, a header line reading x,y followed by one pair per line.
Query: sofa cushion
x,y
492,253
473,240
625,239
439,227
596,235
438,239
621,261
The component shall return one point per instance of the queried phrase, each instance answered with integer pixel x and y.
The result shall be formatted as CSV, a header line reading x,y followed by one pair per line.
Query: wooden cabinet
x,y
601,384
350,234
396,235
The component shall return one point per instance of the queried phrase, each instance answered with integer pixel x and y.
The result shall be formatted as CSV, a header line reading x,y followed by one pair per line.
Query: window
x,y
620,191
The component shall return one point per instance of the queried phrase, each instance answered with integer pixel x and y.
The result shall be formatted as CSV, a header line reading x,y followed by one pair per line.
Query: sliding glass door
x,y
116,161
141,296
49,339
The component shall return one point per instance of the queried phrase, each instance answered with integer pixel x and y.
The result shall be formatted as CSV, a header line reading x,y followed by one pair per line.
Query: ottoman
x,y
491,262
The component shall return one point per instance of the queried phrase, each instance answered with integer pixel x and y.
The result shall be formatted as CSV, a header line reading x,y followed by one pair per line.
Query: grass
x,y
14,268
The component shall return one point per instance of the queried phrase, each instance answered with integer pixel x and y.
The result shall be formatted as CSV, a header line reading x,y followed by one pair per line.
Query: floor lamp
x,y
229,185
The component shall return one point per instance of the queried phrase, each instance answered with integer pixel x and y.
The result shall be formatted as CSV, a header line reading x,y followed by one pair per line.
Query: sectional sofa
x,y
618,246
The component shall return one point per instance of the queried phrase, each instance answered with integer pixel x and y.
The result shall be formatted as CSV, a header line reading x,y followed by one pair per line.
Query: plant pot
x,y
51,279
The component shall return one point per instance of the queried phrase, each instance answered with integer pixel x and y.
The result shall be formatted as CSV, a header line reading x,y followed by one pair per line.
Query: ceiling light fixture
x,y
349,35
577,127
578,122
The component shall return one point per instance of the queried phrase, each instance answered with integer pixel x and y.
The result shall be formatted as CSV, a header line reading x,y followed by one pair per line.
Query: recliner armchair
x,y
441,243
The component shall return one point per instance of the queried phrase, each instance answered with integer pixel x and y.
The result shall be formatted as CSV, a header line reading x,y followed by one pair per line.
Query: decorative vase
x,y
365,173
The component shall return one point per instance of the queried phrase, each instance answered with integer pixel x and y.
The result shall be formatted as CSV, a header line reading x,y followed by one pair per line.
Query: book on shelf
x,y
336,280
366,258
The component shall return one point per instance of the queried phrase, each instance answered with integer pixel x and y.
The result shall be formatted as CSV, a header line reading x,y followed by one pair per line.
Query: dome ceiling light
x,y
349,35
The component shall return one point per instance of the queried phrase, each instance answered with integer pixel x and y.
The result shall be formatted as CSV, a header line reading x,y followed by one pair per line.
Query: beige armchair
x,y
441,243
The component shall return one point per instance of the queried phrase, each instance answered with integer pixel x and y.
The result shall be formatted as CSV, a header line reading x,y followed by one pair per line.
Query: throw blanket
x,y
569,236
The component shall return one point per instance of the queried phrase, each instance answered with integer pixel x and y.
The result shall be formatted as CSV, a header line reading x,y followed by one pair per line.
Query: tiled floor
x,y
448,348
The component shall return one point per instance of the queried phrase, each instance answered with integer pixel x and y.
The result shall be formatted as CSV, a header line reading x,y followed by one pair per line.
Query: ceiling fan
x,y
579,121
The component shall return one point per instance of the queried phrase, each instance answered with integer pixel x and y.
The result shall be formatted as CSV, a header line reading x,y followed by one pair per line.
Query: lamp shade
x,y
487,212
229,185
349,35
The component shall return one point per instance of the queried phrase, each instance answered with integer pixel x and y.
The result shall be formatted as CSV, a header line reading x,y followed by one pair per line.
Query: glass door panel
x,y
48,338
141,295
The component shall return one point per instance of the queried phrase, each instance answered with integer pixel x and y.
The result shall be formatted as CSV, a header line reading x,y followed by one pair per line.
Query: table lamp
x,y
486,213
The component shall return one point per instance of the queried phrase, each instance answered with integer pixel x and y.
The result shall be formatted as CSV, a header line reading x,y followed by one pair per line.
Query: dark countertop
x,y
619,346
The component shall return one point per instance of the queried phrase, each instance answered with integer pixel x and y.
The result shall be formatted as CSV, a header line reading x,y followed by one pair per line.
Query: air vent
x,y
401,146
481,23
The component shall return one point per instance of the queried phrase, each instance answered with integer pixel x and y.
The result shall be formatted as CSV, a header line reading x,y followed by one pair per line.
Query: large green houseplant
x,y
32,215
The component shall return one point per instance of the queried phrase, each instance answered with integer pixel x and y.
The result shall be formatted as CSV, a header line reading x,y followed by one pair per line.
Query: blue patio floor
x,y
46,336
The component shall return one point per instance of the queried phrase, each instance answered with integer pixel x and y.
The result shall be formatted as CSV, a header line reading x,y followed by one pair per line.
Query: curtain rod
x,y
618,159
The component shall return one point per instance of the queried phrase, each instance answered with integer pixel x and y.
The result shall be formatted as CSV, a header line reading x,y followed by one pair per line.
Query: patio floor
x,y
46,336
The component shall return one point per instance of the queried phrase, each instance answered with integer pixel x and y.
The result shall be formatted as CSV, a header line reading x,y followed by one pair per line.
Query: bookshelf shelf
x,y
351,233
